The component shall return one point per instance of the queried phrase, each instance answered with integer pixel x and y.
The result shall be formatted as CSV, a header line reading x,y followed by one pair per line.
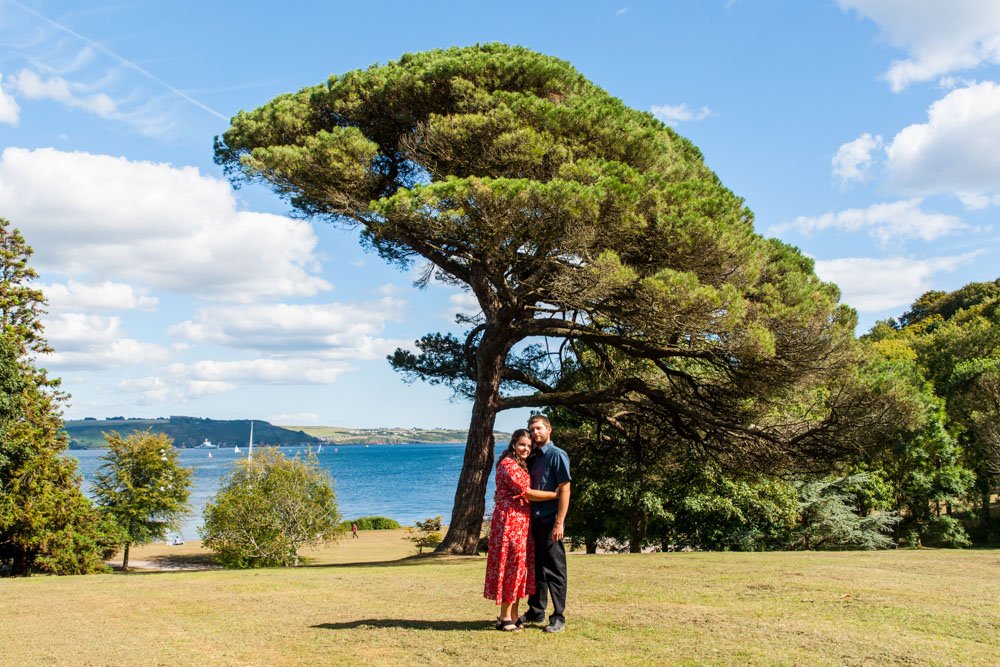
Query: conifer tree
x,y
142,487
46,523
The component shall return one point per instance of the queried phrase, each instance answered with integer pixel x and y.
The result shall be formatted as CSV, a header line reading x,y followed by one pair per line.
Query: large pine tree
x,y
569,217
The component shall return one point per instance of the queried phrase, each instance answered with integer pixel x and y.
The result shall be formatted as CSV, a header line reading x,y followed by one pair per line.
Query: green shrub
x,y
268,509
372,523
944,531
425,533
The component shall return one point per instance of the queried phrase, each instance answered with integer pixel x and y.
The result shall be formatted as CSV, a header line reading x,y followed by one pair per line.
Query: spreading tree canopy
x,y
569,217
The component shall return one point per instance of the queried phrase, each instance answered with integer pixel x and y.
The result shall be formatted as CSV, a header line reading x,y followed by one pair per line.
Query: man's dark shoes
x,y
555,625
524,619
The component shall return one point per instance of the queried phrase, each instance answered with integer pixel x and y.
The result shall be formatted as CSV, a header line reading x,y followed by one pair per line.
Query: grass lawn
x,y
365,602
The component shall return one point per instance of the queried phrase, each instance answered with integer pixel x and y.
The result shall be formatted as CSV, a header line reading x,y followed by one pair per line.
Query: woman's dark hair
x,y
509,452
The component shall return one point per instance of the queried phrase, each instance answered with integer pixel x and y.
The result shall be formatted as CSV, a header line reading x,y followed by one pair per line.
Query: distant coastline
x,y
191,432
339,435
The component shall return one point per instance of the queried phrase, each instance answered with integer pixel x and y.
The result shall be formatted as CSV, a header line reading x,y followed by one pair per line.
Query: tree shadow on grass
x,y
416,559
201,562
408,624
187,562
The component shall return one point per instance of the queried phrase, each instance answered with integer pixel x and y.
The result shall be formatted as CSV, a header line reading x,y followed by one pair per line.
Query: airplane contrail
x,y
124,61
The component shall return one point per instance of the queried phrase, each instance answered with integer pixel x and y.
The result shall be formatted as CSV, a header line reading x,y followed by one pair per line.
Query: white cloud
x,y
199,388
977,202
333,330
9,111
151,389
956,151
873,285
674,114
96,297
95,341
263,371
854,159
157,390
103,218
885,222
464,303
294,419
30,85
940,37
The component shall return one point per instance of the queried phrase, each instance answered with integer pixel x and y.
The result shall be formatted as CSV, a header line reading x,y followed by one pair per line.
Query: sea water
x,y
407,482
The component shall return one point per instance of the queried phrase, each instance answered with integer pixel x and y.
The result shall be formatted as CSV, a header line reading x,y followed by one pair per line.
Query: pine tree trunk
x,y
591,543
470,496
125,559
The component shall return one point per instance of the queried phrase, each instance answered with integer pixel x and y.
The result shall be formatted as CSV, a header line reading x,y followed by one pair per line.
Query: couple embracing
x,y
526,556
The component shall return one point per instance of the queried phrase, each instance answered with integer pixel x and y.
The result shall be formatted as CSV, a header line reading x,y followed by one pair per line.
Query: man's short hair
x,y
540,418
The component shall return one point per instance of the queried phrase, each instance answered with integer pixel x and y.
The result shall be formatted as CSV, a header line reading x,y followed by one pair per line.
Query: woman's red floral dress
x,y
510,561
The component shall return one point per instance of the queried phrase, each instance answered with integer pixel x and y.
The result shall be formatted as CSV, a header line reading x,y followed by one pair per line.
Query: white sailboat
x,y
319,450
236,449
250,447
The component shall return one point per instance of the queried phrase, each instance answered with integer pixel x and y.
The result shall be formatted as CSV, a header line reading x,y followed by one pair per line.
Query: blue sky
x,y
865,132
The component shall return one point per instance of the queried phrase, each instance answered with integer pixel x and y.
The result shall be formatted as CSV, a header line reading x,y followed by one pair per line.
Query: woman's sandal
x,y
509,626
518,624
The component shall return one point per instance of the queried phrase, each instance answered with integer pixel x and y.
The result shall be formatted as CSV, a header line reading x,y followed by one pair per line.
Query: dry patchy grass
x,y
365,602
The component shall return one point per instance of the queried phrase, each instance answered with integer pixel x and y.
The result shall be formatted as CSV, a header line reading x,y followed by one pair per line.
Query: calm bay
x,y
407,482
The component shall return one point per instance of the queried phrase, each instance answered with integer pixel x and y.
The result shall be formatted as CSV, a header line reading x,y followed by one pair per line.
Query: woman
x,y
510,570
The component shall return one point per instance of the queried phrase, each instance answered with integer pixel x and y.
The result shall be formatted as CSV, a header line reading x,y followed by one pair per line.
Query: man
x,y
549,468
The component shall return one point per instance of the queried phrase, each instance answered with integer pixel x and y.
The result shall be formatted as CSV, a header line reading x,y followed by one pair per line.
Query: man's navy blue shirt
x,y
549,468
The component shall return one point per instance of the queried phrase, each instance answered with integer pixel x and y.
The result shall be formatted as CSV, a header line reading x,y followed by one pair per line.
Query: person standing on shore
x,y
549,468
354,530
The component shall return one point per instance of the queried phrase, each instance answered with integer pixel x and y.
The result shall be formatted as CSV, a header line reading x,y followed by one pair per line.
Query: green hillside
x,y
340,435
186,431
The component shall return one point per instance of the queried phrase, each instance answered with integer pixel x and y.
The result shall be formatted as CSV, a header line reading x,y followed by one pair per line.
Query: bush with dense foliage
x,y
268,508
372,523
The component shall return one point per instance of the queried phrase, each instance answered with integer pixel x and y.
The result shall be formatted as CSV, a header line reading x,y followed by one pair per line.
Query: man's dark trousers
x,y
550,571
